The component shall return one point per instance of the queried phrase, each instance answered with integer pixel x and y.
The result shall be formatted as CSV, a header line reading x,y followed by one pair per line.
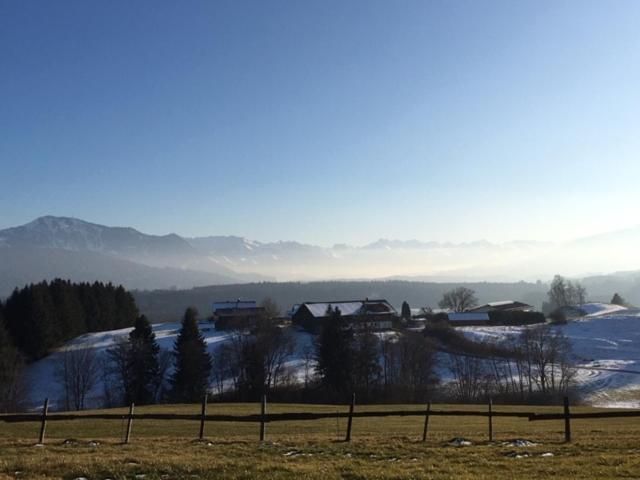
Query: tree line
x,y
268,358
42,316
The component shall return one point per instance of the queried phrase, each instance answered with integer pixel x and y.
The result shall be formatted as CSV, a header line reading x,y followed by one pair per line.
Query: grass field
x,y
384,448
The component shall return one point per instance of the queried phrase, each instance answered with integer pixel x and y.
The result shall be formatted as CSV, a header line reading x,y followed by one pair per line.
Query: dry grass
x,y
386,448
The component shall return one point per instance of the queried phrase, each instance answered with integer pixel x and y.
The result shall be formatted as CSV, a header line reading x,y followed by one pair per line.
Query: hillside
x,y
607,349
606,343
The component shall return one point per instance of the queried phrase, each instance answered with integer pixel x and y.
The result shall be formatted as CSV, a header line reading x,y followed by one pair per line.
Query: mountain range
x,y
65,247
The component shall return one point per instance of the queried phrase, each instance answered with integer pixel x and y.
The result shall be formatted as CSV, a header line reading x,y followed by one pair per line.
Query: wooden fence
x,y
263,418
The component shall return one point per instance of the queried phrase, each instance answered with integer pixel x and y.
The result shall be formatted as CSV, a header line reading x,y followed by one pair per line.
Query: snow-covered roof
x,y
349,308
501,305
503,302
468,317
346,308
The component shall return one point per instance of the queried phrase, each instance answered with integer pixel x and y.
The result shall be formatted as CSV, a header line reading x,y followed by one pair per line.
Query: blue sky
x,y
324,122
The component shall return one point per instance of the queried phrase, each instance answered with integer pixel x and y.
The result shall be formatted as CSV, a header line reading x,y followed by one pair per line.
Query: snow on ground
x,y
600,309
606,342
43,381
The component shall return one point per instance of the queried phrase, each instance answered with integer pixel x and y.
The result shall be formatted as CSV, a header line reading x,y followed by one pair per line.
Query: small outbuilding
x,y
237,314
502,306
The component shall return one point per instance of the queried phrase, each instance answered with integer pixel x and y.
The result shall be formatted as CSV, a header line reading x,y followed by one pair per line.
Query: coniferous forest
x,y
42,316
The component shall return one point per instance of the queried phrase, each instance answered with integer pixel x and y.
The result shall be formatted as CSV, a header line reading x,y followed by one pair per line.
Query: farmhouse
x,y
237,314
502,306
377,314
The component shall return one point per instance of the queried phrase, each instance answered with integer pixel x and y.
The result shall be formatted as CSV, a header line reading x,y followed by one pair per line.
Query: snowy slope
x,y
600,309
41,375
606,342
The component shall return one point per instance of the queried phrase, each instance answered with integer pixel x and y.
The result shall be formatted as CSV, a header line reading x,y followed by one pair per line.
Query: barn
x,y
376,314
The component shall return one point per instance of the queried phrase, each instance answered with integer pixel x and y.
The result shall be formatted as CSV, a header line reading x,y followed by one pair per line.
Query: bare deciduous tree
x,y
459,299
271,308
563,292
469,377
78,370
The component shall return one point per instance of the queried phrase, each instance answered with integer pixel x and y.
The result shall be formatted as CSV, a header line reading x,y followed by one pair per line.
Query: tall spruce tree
x,y
405,311
366,365
11,364
190,379
31,320
335,354
618,300
70,316
142,364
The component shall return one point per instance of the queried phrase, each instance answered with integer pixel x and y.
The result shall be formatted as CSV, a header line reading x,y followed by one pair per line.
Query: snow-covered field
x,y
43,382
606,342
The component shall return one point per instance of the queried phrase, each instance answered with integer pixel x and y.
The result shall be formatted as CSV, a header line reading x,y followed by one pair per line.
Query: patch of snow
x,y
517,455
460,442
598,309
519,442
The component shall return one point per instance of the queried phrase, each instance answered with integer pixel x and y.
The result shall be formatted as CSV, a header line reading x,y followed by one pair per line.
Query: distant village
x,y
374,314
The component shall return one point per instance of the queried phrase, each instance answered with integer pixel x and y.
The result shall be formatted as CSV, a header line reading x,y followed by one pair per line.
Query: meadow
x,y
381,448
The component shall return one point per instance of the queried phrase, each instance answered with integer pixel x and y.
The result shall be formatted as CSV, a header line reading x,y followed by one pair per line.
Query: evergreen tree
x,y
190,380
11,364
618,300
335,353
31,320
42,316
142,364
366,367
126,310
70,316
405,311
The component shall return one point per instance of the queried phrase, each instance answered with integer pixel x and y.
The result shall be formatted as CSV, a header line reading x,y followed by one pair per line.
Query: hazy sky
x,y
325,121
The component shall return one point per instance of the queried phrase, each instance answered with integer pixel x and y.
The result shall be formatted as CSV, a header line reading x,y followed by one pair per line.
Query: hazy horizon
x,y
95,251
338,244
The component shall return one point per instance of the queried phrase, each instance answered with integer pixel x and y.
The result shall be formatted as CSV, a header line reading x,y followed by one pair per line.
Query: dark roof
x,y
505,305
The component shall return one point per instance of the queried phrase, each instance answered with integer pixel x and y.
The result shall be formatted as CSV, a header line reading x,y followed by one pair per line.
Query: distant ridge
x,y
165,261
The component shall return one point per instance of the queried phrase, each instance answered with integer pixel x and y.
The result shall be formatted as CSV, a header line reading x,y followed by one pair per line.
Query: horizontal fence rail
x,y
264,417
269,417
576,416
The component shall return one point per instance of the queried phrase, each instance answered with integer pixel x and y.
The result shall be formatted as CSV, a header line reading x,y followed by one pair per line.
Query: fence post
x,y
350,420
490,420
567,421
263,414
129,424
43,421
426,422
203,414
